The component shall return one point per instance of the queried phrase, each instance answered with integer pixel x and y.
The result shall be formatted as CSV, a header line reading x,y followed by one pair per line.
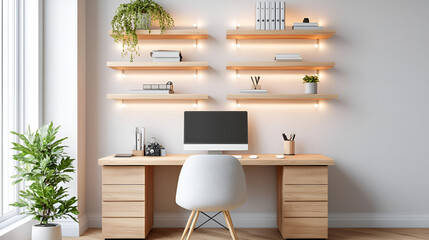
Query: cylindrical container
x,y
310,88
46,232
289,147
255,87
138,152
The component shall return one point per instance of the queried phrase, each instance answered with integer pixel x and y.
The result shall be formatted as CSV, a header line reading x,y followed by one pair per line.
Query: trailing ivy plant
x,y
43,164
137,15
310,79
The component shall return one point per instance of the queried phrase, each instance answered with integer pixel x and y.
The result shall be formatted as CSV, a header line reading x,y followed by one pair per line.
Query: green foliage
x,y
43,164
310,79
132,16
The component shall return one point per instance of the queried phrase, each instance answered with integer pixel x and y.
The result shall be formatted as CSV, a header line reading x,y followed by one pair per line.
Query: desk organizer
x,y
289,147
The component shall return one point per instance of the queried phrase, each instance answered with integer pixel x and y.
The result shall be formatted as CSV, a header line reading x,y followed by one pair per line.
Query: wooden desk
x,y
302,193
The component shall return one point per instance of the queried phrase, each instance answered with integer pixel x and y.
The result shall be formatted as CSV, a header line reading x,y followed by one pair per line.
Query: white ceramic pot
x,y
310,88
50,231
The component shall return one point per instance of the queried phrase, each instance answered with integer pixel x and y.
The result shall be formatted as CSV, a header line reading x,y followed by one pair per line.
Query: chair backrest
x,y
211,183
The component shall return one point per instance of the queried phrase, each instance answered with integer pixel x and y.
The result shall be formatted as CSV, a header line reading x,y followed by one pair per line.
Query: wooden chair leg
x,y
191,217
194,221
230,225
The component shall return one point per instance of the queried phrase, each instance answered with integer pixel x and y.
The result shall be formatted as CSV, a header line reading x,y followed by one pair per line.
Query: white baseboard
x,y
71,228
268,220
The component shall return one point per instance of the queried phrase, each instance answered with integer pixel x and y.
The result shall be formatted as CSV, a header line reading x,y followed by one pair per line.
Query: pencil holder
x,y
138,153
289,147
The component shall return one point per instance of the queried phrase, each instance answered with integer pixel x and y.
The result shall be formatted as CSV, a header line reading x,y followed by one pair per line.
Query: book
x,y
267,15
305,24
253,91
258,15
277,15
272,15
263,15
287,55
307,28
165,53
288,59
166,59
141,91
282,16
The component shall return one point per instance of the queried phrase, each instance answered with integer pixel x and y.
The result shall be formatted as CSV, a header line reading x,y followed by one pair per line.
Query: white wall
x,y
376,130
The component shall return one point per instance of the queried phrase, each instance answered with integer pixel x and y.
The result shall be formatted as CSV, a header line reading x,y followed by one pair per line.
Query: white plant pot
x,y
46,232
310,88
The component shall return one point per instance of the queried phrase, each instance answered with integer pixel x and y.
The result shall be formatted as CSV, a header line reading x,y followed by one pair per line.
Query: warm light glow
x,y
237,75
316,45
316,105
195,45
237,45
123,104
194,25
238,105
195,75
195,105
237,25
123,76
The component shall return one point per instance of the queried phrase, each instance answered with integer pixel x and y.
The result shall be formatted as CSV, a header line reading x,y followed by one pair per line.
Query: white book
x,y
287,55
258,15
267,16
305,24
277,15
282,16
288,60
263,15
253,91
272,15
307,28
165,53
139,91
166,59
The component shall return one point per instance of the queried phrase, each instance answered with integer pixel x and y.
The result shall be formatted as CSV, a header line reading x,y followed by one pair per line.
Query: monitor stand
x,y
210,152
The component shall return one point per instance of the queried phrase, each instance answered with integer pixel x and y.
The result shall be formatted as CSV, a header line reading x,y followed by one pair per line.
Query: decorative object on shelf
x,y
270,15
153,148
255,83
139,142
251,91
310,83
306,20
289,144
44,165
282,57
134,15
306,25
155,89
166,56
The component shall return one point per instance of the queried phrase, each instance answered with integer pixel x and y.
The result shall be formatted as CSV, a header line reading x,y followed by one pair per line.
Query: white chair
x,y
211,183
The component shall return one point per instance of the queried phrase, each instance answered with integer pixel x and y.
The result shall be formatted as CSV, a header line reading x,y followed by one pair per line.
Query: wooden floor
x,y
273,234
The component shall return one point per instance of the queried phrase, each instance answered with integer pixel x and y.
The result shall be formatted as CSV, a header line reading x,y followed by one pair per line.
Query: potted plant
x,y
45,167
310,83
137,15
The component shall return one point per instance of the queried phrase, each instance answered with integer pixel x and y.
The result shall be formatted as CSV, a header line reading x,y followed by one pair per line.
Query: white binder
x,y
282,16
267,16
258,15
277,15
272,15
263,15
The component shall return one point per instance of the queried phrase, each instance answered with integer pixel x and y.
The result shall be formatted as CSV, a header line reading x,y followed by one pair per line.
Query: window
x,y
20,73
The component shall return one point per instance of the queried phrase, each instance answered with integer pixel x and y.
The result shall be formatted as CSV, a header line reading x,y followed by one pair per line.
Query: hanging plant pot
x,y
49,231
310,88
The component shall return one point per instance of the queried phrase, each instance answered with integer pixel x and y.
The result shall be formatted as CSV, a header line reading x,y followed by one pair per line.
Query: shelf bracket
x,y
317,72
196,43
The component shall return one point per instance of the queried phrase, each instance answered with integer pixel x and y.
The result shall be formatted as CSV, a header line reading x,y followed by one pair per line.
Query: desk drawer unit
x,y
303,202
127,202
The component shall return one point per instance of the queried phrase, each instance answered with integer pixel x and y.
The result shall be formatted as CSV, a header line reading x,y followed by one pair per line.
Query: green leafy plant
x,y
135,15
310,79
44,165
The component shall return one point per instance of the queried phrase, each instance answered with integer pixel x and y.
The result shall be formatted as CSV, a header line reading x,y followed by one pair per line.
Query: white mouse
x,y
280,156
253,156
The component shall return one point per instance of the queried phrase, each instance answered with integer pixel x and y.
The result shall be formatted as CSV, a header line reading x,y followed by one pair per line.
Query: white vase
x,y
310,88
50,231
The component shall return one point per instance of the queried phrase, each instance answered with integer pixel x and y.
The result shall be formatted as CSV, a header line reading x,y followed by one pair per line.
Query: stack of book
x,y
306,26
281,57
166,56
253,91
270,15
155,89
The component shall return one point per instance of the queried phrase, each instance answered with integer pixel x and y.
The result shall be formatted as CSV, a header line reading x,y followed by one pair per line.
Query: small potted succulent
x,y
45,168
310,83
137,15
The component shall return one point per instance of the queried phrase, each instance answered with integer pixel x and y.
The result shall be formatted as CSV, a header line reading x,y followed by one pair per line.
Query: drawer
x,y
305,175
124,209
305,193
123,175
305,209
305,228
123,193
123,228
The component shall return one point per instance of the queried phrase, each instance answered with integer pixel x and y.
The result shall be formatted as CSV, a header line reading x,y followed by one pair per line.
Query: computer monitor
x,y
215,131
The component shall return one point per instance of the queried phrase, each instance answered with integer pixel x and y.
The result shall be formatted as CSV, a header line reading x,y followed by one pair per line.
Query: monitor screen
x,y
215,127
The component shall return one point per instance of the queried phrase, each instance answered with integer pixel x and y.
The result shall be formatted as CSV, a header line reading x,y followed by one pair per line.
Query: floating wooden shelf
x,y
281,96
170,34
158,96
158,65
279,65
279,34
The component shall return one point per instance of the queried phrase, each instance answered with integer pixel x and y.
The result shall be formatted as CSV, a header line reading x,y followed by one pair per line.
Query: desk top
x,y
179,159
